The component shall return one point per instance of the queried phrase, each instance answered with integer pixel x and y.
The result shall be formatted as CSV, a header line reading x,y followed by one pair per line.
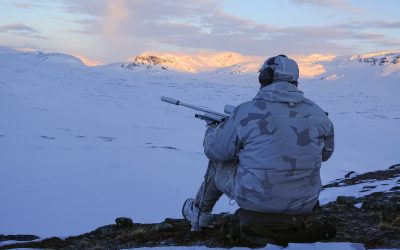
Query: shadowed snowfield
x,y
80,146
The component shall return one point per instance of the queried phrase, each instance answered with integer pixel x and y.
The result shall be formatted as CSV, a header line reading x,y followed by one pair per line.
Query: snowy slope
x,y
362,101
80,146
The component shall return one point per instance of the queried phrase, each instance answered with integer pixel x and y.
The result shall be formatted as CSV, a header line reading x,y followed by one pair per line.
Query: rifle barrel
x,y
177,102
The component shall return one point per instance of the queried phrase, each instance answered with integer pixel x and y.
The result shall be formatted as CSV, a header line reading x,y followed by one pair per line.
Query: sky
x,y
112,30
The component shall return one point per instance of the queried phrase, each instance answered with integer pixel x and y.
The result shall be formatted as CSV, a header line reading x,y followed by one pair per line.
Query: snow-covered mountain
x,y
320,66
379,58
53,57
385,63
311,67
80,146
197,62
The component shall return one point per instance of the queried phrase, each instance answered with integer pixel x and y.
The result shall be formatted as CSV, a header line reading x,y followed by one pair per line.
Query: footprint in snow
x,y
40,109
64,129
106,138
48,137
165,147
367,188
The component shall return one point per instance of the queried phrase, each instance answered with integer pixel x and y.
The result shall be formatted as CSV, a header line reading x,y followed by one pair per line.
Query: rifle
x,y
210,116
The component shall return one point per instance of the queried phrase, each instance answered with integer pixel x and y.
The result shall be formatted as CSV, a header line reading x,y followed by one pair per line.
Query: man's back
x,y
267,155
281,137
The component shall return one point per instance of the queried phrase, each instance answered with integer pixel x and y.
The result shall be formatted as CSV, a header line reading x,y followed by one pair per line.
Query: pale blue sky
x,y
115,29
286,13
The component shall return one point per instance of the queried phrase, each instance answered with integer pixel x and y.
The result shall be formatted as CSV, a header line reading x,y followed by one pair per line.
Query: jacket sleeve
x,y
221,143
329,144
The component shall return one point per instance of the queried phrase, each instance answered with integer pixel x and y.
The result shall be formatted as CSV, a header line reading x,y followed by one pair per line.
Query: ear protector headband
x,y
267,74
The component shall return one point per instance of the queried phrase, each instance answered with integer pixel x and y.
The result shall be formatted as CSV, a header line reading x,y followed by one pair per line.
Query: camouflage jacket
x,y
280,139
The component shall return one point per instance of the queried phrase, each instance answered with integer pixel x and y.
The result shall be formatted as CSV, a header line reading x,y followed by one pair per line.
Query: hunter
x,y
267,155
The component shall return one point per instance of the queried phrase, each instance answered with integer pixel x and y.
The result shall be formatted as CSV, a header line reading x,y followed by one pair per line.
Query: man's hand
x,y
212,123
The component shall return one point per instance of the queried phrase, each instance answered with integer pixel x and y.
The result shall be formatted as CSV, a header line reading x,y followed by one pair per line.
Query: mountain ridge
x,y
234,63
226,62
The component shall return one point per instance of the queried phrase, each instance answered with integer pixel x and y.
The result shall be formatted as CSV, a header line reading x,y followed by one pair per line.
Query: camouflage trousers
x,y
220,180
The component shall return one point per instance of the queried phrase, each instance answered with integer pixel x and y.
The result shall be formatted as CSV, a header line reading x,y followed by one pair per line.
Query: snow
x,y
375,54
81,146
358,205
357,190
221,62
9,242
88,61
196,62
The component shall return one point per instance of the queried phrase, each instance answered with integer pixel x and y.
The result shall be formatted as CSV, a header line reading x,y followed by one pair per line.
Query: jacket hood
x,y
281,92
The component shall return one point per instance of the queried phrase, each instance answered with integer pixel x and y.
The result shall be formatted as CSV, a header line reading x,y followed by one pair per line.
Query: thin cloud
x,y
117,13
385,24
337,4
22,30
30,4
23,5
131,27
381,24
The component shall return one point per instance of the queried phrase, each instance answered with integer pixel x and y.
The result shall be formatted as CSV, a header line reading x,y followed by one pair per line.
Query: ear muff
x,y
267,75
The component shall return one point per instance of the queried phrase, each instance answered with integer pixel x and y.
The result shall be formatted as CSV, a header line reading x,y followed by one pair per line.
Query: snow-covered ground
x,y
80,146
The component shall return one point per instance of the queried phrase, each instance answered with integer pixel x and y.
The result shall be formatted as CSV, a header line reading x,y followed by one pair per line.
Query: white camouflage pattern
x,y
280,139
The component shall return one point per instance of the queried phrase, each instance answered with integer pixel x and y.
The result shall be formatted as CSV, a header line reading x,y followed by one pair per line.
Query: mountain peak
x,y
228,62
197,62
378,58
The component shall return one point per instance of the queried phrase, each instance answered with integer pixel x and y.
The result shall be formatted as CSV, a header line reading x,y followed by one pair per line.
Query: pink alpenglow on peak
x,y
87,61
193,62
310,65
225,60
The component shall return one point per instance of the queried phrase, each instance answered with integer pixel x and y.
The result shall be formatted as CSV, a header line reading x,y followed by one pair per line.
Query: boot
x,y
190,212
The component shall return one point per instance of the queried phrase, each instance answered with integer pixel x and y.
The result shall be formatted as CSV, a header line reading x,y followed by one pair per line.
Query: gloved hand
x,y
212,123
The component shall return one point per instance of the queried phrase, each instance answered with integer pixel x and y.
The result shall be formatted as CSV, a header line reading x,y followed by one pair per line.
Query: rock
x,y
349,174
163,227
388,208
330,185
391,173
172,220
53,242
105,230
84,244
395,188
371,202
345,200
395,166
123,222
18,237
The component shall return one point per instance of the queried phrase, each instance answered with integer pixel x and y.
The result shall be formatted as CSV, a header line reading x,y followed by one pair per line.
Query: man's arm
x,y
329,144
222,143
